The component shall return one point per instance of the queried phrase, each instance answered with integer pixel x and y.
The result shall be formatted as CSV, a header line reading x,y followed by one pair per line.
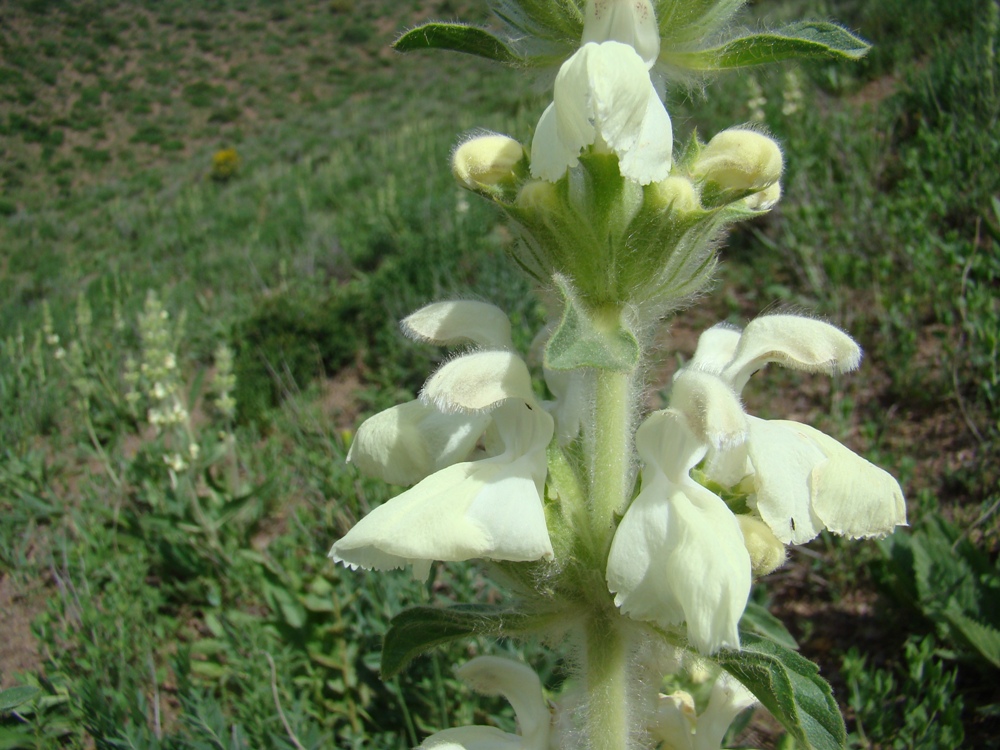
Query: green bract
x,y
614,242
695,37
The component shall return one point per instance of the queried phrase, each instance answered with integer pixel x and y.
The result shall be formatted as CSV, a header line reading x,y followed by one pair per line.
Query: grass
x,y
339,218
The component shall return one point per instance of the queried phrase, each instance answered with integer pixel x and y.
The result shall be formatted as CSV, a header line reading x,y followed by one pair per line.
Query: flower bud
x,y
767,553
765,199
538,195
676,194
486,161
740,160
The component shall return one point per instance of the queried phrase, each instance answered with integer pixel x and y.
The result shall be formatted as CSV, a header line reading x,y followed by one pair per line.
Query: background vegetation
x,y
235,200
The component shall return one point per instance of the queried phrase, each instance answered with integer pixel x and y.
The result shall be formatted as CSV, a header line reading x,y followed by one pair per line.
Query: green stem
x,y
611,462
607,679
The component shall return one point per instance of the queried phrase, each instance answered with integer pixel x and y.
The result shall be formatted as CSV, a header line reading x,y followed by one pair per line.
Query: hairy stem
x,y
607,680
611,462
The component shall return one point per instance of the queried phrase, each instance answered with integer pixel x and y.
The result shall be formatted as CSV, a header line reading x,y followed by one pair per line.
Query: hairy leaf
x,y
807,40
418,629
756,619
790,687
458,37
15,696
580,341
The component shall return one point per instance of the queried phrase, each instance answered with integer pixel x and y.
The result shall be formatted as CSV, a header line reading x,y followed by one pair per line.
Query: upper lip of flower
x,y
603,95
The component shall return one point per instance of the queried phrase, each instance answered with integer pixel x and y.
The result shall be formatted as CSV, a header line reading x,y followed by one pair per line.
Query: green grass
x,y
341,218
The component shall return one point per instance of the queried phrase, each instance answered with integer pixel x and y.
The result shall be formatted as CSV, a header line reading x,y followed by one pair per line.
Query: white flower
x,y
678,554
632,22
679,728
604,98
175,462
518,683
474,445
804,481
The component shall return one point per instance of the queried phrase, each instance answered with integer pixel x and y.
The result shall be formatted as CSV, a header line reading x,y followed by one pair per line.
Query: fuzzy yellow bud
x,y
538,195
486,161
675,193
739,159
767,553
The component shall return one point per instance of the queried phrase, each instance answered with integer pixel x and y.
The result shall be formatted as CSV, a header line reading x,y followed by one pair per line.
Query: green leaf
x,y
756,619
418,629
17,737
982,637
13,697
790,687
458,37
581,340
807,40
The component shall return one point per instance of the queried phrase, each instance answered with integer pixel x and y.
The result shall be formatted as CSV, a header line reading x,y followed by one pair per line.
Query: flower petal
x,y
675,721
665,442
678,555
712,409
632,23
716,348
473,738
851,496
570,387
628,113
604,90
519,684
479,382
793,341
783,460
460,321
551,153
405,443
727,700
482,509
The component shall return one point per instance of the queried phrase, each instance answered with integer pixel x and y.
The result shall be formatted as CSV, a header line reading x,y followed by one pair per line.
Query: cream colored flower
x,y
632,22
678,727
604,98
518,683
678,555
474,446
803,480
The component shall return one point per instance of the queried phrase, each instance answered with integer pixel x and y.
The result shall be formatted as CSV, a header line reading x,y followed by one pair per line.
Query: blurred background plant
x,y
281,293
225,165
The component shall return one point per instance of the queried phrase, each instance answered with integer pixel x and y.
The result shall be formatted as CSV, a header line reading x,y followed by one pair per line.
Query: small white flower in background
x,y
757,100
791,94
518,683
678,554
803,480
175,462
604,97
679,727
475,447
